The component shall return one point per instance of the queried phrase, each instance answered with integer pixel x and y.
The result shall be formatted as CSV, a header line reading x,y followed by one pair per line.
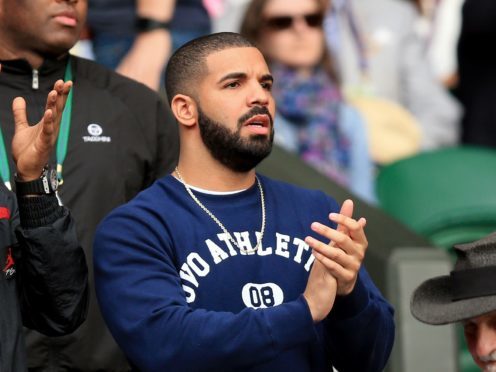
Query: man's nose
x,y
259,96
486,341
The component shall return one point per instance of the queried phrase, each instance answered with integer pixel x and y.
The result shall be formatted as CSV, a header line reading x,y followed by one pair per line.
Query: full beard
x,y
229,148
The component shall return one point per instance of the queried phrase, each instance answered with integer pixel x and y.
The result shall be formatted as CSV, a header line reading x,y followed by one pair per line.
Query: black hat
x,y
469,291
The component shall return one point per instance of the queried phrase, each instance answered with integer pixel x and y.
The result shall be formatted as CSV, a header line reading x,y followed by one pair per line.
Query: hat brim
x,y
431,303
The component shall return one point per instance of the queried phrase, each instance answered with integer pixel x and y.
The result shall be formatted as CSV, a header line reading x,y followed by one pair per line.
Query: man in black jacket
x,y
44,278
115,140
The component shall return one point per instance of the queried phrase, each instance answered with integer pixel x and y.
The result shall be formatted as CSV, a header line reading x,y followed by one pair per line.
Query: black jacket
x,y
136,142
44,278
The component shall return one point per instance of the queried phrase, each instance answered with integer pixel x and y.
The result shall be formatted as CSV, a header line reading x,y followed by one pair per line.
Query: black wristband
x,y
143,24
38,211
46,184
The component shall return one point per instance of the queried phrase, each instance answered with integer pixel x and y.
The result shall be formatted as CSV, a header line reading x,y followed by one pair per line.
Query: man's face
x,y
236,108
480,333
47,27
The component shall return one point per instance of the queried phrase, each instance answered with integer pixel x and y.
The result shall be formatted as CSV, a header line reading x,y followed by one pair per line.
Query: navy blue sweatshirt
x,y
177,295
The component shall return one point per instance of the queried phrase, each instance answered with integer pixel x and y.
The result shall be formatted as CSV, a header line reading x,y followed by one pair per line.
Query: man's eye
x,y
267,86
470,328
233,84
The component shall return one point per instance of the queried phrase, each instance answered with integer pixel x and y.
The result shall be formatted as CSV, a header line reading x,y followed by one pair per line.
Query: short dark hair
x,y
187,65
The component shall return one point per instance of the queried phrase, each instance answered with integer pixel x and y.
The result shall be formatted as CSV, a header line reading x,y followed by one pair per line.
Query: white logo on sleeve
x,y
261,296
95,134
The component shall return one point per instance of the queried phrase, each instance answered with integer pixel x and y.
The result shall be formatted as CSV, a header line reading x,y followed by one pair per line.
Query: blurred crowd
x,y
359,84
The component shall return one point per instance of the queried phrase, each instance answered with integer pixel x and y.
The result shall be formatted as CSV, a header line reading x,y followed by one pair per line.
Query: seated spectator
x,y
181,291
467,295
136,36
439,28
313,119
380,53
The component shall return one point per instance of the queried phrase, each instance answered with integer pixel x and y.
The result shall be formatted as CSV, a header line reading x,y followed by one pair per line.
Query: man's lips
x,y
258,124
66,18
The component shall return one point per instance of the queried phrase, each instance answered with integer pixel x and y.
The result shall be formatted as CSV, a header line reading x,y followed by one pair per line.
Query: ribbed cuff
x,y
291,324
36,211
350,305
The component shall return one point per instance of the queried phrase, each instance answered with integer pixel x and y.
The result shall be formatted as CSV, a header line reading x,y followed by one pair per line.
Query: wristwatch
x,y
144,24
46,184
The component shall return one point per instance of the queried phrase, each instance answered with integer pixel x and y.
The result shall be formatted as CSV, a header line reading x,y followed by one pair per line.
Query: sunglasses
x,y
280,23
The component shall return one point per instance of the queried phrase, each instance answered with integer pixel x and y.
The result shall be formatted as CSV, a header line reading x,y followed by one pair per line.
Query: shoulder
x,y
121,87
290,193
149,203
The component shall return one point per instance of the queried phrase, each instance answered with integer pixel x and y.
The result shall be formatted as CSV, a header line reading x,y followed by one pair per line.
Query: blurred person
x,y
468,296
438,26
228,19
136,37
380,53
44,278
477,72
313,119
113,142
211,268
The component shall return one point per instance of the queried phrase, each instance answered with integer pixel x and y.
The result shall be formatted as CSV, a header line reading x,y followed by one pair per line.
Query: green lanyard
x,y
65,126
4,163
62,140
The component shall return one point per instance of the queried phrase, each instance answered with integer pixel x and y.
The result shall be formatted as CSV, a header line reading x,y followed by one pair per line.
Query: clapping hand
x,y
343,255
32,145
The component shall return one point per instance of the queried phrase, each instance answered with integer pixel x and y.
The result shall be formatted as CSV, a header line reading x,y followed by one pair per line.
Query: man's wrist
x,y
28,176
147,24
353,303
46,183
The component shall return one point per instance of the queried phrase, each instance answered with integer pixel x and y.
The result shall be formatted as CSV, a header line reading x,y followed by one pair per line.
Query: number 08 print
x,y
260,296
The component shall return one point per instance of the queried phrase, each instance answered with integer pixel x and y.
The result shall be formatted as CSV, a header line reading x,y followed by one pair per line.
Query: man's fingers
x,y
353,227
53,96
347,208
340,273
47,123
67,87
57,97
346,254
354,230
45,138
64,93
335,254
347,242
19,112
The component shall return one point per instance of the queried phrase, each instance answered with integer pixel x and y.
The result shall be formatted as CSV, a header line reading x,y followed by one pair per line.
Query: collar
x,y
22,67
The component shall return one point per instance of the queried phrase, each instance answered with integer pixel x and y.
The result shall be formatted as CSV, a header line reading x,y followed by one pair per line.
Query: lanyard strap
x,y
62,140
65,126
4,162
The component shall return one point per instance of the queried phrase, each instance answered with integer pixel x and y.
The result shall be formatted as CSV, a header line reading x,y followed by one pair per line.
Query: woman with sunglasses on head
x,y
312,120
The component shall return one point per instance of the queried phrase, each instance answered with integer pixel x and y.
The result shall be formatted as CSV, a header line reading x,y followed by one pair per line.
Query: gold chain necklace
x,y
216,220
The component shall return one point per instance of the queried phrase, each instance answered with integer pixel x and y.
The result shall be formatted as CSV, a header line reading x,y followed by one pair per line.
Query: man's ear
x,y
184,109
